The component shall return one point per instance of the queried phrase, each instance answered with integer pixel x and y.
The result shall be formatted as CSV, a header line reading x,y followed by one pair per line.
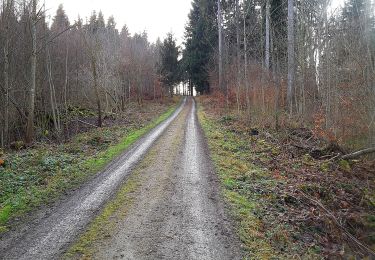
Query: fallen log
x,y
358,154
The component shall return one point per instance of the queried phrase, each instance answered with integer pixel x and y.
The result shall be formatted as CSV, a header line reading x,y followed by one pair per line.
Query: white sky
x,y
157,17
336,4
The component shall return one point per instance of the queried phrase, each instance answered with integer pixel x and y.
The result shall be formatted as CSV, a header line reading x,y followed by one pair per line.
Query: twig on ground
x,y
354,239
83,122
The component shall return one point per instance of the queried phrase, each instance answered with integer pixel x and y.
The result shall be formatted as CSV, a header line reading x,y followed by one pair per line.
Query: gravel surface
x,y
178,212
51,231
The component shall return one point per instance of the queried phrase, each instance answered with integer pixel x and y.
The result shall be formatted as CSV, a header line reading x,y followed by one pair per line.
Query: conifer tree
x,y
169,67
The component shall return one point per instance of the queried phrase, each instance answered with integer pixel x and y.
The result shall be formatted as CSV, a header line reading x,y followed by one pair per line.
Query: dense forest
x,y
52,71
277,60
272,59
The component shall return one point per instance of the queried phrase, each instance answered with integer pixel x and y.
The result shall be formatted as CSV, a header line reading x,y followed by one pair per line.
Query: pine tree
x,y
169,67
60,21
201,40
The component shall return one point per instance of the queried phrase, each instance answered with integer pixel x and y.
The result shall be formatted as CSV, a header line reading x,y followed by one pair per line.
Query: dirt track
x,y
177,214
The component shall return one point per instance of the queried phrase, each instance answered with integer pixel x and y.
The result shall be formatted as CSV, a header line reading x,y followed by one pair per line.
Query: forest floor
x,y
287,204
36,176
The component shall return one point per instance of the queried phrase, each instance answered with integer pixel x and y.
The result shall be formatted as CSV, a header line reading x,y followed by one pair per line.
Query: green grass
x,y
39,176
96,164
226,151
104,223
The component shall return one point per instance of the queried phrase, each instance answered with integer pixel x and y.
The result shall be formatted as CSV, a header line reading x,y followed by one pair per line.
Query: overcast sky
x,y
157,17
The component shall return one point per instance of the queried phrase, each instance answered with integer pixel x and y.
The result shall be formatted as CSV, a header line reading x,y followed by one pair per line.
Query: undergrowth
x,y
285,203
248,189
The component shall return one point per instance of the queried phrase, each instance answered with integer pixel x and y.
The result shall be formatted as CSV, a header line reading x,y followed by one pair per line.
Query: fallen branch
x,y
300,146
83,122
330,157
357,154
329,213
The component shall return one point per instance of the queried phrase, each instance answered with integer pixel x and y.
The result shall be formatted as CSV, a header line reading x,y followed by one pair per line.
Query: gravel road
x,y
178,212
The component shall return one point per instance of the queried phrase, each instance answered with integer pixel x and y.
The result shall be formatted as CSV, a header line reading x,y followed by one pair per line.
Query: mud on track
x,y
178,212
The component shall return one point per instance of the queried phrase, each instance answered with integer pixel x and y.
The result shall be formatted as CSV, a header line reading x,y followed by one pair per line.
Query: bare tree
x,y
30,133
93,60
267,51
291,68
238,54
219,24
7,6
247,87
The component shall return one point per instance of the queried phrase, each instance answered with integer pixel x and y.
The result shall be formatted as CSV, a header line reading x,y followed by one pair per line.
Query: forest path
x,y
50,231
178,212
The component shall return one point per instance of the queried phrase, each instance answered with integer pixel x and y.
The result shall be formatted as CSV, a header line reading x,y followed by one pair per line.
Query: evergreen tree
x,y
100,22
279,14
354,10
169,67
61,20
201,40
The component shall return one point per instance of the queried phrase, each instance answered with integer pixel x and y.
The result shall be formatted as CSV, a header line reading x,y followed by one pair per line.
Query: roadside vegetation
x,y
287,201
41,174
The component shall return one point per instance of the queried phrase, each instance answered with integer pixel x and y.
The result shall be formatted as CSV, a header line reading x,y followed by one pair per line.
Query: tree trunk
x,y
219,24
238,56
96,88
7,6
278,91
191,88
55,111
30,117
6,86
290,54
247,87
267,51
66,77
